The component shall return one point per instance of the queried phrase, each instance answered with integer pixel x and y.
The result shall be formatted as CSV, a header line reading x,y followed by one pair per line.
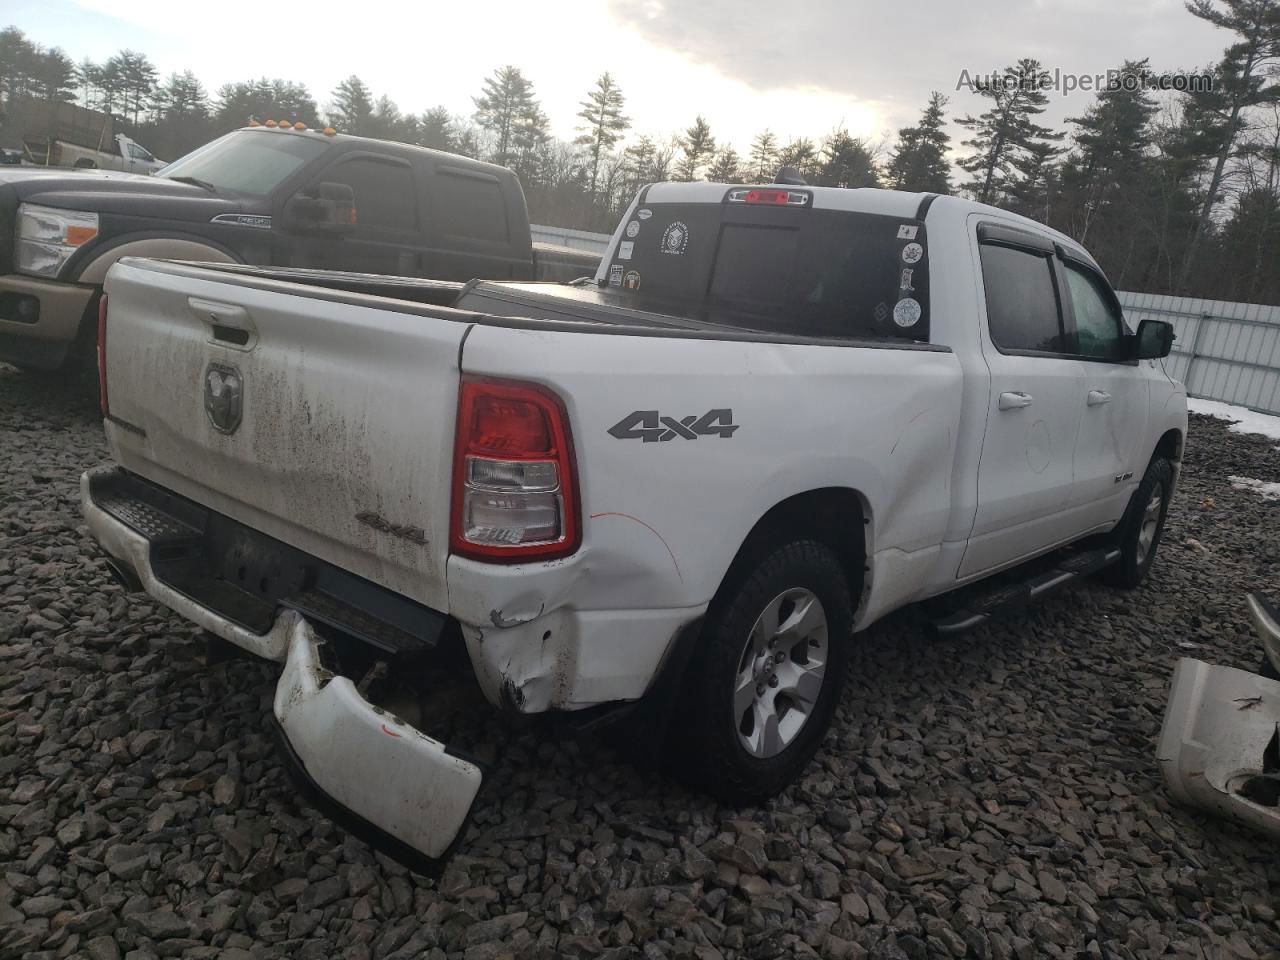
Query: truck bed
x,y
580,306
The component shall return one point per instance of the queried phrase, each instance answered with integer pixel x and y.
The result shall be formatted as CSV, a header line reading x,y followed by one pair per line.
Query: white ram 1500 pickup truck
x,y
775,415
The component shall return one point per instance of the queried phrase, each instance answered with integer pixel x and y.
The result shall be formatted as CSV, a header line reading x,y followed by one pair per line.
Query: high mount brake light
x,y
515,484
102,355
769,198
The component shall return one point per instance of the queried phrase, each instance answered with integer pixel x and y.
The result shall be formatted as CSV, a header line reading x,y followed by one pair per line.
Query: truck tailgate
x,y
342,444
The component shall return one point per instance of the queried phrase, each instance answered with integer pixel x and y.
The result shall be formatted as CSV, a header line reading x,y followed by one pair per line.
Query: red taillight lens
x,y
760,196
515,490
102,355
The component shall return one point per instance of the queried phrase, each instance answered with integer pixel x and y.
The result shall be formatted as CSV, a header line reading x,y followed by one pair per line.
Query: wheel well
x,y
1169,447
836,517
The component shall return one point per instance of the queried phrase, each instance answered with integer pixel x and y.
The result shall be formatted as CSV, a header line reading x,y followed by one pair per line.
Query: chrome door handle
x,y
1097,397
1013,399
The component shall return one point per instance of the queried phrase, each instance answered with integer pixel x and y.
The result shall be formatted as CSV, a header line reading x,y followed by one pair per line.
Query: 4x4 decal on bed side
x,y
649,425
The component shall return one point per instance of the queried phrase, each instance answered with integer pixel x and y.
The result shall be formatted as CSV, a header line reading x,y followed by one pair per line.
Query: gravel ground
x,y
994,795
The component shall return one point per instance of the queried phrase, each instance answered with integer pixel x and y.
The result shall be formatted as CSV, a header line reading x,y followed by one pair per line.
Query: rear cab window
x,y
765,259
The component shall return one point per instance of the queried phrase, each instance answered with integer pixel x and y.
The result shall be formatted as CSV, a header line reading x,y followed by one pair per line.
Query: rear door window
x,y
385,197
790,270
469,205
1022,303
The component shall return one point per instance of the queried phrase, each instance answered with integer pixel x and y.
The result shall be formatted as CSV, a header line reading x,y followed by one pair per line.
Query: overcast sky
x,y
799,68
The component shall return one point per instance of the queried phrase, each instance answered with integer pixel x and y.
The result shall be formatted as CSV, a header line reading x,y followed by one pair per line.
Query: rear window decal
x,y
905,285
912,253
908,231
615,275
632,280
633,228
675,238
644,213
624,250
907,313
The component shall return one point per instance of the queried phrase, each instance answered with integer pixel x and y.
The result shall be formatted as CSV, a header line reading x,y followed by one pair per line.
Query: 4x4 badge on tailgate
x,y
223,394
649,425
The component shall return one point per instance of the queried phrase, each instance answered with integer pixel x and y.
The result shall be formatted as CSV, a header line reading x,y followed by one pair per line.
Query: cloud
x,y
895,53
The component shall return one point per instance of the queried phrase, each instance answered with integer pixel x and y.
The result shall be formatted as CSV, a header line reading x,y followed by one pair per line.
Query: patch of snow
x,y
1268,491
1246,420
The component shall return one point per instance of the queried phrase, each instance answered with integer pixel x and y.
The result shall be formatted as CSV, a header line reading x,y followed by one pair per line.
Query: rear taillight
x,y
515,490
102,355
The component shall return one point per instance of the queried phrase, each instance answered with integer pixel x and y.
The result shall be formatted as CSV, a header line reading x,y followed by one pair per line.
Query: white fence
x,y
1224,351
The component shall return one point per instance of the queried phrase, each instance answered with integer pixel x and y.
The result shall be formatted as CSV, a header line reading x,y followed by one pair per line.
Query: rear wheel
x,y
765,680
1139,533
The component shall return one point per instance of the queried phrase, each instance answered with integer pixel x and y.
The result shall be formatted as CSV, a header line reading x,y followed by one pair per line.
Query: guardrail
x,y
566,237
1224,351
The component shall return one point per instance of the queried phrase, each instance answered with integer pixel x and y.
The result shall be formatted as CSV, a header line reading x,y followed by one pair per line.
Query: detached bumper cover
x,y
383,779
1220,743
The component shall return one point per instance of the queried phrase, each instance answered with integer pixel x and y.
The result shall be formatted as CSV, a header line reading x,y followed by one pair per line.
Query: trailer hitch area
x,y
382,779
1219,747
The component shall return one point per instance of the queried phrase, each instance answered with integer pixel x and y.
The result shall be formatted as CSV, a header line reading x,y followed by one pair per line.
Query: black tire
x,y
1135,559
707,739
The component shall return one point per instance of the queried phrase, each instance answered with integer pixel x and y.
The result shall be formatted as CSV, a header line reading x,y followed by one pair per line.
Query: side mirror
x,y
327,207
1154,340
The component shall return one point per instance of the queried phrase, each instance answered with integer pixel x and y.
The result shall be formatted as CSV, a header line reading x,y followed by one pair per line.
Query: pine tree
x,y
352,107
53,75
16,53
503,109
1034,186
764,156
802,155
435,129
1004,132
182,97
529,139
919,160
1241,82
845,161
266,100
726,166
697,145
129,78
604,124
1104,175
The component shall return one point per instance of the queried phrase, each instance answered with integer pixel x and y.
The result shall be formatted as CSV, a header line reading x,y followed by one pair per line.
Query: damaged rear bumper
x,y
382,779
1220,743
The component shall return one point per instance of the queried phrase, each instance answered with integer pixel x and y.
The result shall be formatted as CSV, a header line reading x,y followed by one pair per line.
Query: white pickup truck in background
x,y
776,414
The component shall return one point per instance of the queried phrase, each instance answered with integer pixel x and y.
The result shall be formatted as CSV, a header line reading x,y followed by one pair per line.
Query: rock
x,y
127,861
102,948
856,907
226,790
321,893
159,924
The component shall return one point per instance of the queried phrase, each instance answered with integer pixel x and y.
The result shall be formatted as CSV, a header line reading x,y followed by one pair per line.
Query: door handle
x,y
1097,397
1014,399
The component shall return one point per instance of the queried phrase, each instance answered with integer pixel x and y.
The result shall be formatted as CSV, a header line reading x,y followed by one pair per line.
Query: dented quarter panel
x,y
344,446
663,520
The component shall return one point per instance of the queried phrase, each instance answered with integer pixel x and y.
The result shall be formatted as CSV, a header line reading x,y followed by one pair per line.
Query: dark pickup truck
x,y
270,195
